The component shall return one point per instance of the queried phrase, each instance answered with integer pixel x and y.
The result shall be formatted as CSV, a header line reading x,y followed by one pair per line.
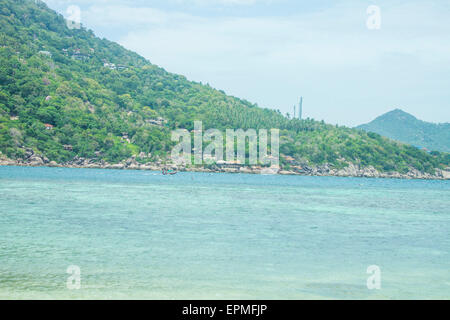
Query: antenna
x,y
300,108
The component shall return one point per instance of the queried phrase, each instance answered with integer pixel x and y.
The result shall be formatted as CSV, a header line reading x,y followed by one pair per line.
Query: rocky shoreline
x,y
352,170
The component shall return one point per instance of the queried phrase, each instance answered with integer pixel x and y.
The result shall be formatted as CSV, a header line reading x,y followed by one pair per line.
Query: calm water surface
x,y
142,235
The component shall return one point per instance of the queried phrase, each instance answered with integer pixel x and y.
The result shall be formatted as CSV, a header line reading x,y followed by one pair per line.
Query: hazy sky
x,y
272,51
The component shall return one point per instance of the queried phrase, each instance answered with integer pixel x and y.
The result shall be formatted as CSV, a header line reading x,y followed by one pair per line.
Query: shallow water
x,y
142,235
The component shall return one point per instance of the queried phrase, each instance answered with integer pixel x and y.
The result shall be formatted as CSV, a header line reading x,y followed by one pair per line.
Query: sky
x,y
351,62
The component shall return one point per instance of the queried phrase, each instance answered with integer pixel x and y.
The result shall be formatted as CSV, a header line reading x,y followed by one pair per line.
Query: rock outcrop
x,y
32,158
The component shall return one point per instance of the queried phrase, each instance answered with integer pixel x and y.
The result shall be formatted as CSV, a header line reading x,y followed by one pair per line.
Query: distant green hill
x,y
66,93
402,126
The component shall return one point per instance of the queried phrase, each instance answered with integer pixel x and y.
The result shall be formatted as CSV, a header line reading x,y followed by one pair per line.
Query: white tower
x,y
300,108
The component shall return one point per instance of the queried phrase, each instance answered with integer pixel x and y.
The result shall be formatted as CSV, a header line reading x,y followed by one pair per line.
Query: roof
x,y
288,158
228,162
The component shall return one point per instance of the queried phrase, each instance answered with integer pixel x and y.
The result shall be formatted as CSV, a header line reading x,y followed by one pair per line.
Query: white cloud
x,y
223,2
130,3
330,39
120,15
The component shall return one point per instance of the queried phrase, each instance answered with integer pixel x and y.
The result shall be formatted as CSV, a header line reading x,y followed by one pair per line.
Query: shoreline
x,y
320,171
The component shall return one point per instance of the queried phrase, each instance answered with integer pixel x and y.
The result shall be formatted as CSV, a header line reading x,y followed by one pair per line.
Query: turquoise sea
x,y
142,235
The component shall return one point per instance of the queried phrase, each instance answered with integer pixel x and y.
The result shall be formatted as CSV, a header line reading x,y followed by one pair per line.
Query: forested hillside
x,y
402,126
66,93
